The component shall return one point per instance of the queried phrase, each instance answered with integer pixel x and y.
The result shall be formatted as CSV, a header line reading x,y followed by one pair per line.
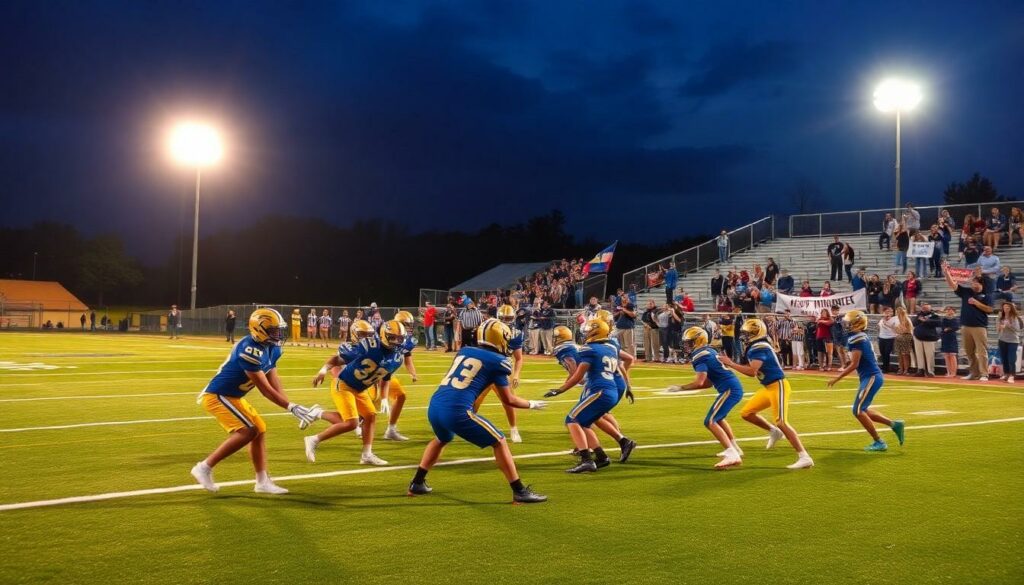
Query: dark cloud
x,y
728,66
645,20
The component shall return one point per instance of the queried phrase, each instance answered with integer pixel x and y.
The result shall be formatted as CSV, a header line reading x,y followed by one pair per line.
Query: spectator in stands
x,y
1015,227
887,338
745,302
995,227
625,323
1009,327
723,246
546,322
944,216
755,295
874,292
826,289
767,299
973,323
785,285
911,289
92,320
904,341
671,281
849,256
717,282
888,227
173,321
632,294
229,326
858,281
902,236
685,302
823,339
926,333
664,318
797,343
1006,284
771,272
839,337
920,262
935,264
970,253
469,320
990,267
835,259
946,231
652,342
912,219
429,322
450,321
757,278
949,347
784,327
344,325
806,290
83,321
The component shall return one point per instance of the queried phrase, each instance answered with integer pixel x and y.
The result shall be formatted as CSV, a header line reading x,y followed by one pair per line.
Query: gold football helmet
x,y
606,316
405,318
753,330
392,334
855,321
561,334
507,314
494,334
694,338
595,330
265,326
361,329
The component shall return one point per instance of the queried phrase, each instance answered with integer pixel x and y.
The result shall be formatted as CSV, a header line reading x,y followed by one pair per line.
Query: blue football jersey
x,y
246,356
410,344
473,370
705,359
368,362
566,352
868,365
517,340
603,359
771,369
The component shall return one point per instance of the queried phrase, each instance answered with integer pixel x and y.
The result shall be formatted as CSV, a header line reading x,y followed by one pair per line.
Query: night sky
x,y
640,120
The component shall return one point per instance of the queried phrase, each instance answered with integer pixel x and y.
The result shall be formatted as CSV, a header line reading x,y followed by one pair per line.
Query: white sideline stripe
x,y
326,474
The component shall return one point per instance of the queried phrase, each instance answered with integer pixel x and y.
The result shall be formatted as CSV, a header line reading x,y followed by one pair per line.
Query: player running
x,y
369,361
862,359
711,372
507,315
763,364
567,354
451,409
252,363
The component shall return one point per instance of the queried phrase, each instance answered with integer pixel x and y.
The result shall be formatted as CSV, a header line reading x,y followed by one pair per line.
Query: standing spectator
x,y
911,219
723,246
920,263
911,288
904,340
811,342
888,227
887,338
757,279
649,319
926,333
874,292
946,231
449,326
989,264
823,339
1006,284
664,319
771,272
469,320
767,300
375,318
973,323
797,343
429,322
1009,327
325,324
83,321
935,264
632,294
546,324
625,323
849,257
711,328
173,321
785,326
717,282
92,319
229,326
949,347
970,252
671,281
902,245
344,326
311,326
835,259
944,216
785,285
858,281
1016,227
995,225
839,337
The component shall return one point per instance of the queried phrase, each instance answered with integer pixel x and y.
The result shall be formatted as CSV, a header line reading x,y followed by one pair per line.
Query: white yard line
x,y
328,474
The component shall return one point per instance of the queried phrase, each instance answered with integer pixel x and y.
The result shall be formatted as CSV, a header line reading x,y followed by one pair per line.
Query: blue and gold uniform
x,y
730,391
224,396
515,342
870,374
601,392
776,390
367,362
396,389
566,352
451,410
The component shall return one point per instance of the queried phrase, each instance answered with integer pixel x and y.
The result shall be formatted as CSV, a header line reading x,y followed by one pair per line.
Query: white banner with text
x,y
812,306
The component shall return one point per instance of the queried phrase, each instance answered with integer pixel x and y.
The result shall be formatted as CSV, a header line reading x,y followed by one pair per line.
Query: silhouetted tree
x,y
977,189
103,266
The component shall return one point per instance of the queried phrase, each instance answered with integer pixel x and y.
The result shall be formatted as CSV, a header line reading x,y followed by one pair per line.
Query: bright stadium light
x,y
197,146
897,95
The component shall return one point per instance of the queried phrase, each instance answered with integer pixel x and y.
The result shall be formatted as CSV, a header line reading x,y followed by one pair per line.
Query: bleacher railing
x,y
701,255
869,221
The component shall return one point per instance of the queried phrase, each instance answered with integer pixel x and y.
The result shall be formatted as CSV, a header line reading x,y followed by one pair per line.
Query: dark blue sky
x,y
640,120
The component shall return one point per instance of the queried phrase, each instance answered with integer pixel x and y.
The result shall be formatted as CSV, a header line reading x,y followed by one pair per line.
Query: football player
x,y
711,372
507,315
599,362
862,359
451,409
296,326
763,364
371,360
396,395
252,363
567,354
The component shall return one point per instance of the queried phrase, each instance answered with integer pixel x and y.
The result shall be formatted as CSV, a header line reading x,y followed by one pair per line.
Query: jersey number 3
x,y
462,372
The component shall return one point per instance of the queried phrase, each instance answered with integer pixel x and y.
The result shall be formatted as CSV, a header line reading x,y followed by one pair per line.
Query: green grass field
x,y
116,413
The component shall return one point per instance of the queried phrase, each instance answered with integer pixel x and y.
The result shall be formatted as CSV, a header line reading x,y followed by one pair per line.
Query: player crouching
x,y
862,359
251,364
710,371
451,408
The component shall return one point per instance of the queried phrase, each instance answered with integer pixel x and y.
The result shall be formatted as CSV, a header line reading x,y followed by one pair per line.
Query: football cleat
x,y
311,445
528,496
773,437
269,487
627,450
515,436
803,462
728,462
899,428
372,459
394,435
583,467
602,463
878,445
204,476
419,489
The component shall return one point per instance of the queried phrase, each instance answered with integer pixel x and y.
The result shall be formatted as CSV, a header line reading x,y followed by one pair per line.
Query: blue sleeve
x,y
275,354
517,341
700,365
248,358
350,352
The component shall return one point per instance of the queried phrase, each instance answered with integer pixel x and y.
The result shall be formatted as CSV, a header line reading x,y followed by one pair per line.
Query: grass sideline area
x,y
90,415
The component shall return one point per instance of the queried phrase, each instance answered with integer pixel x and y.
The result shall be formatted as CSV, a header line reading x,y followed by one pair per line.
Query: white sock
x,y
315,440
367,450
262,477
204,466
513,430
774,429
803,455
736,447
731,453
393,428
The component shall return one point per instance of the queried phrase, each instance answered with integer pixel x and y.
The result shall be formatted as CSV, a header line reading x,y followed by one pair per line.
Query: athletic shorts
x,y
866,393
394,391
448,422
723,405
774,395
592,406
233,414
351,404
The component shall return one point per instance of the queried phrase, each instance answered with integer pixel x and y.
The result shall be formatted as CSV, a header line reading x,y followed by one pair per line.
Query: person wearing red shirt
x,y
826,290
910,289
823,337
686,303
805,289
429,319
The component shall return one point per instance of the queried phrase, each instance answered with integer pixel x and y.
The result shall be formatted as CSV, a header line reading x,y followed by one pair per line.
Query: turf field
x,y
88,415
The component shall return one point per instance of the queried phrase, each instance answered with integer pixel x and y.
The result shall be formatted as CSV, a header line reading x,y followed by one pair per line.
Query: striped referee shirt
x,y
785,327
471,318
325,321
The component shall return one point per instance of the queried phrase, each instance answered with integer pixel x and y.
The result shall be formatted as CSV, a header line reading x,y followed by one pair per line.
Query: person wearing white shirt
x,y
887,338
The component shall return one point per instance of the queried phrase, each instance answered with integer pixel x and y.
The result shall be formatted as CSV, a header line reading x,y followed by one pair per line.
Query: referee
x,y
469,320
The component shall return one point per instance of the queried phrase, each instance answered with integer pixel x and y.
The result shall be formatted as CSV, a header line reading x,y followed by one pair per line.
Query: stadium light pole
x,y
897,95
196,146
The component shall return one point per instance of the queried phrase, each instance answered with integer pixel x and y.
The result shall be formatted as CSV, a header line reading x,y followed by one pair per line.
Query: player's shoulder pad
x,y
410,343
505,364
858,337
700,353
762,345
585,350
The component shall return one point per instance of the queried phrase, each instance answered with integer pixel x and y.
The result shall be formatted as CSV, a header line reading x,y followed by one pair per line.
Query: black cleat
x,y
583,467
603,463
627,450
528,496
419,489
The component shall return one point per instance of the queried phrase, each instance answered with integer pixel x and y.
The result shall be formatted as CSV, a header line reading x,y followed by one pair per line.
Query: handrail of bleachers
x,y
869,221
704,254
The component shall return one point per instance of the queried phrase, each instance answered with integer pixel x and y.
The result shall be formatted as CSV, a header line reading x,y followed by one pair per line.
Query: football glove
x,y
552,393
300,412
629,396
315,413
538,405
385,407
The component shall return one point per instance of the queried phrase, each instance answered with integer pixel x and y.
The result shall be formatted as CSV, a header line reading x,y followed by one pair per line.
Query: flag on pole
x,y
602,262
